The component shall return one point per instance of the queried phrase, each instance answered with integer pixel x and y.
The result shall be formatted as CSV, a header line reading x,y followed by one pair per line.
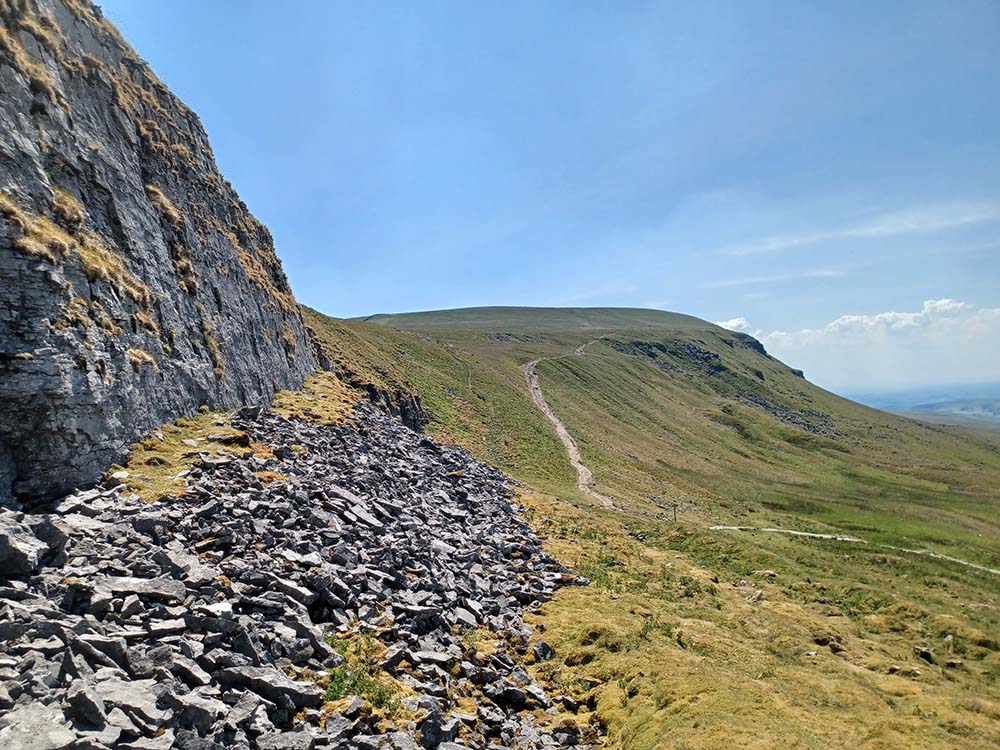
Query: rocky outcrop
x,y
402,403
135,285
231,616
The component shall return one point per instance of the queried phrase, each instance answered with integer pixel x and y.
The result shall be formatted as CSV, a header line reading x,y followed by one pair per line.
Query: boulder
x,y
21,552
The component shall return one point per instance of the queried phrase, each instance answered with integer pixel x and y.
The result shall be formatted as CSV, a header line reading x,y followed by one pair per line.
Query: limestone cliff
x,y
135,285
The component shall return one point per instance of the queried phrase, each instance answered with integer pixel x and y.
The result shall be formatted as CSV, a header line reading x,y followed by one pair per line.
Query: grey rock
x,y
189,671
137,698
210,654
197,711
286,741
21,551
160,589
201,291
543,651
162,741
272,684
86,704
33,726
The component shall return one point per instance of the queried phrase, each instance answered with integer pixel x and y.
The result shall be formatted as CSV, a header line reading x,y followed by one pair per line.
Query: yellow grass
x,y
156,464
665,654
323,398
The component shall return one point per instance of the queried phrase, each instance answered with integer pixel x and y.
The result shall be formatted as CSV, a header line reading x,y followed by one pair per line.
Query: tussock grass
x,y
164,205
259,260
158,464
708,668
43,238
140,357
323,398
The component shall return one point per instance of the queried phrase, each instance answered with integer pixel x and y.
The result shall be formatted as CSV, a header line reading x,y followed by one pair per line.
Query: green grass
x,y
360,673
670,410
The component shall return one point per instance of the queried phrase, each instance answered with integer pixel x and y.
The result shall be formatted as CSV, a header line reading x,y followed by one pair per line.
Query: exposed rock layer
x,y
134,283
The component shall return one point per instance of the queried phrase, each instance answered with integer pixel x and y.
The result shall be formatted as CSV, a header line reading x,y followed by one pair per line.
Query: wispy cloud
x,y
912,221
736,324
946,340
824,273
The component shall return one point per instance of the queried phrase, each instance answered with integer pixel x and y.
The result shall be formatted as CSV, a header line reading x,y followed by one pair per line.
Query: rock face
x,y
134,283
216,619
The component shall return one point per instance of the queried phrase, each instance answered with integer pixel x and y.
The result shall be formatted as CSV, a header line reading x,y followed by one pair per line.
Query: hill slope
x,y
668,410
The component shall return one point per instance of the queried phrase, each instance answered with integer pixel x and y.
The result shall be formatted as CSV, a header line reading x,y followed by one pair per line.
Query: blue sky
x,y
787,164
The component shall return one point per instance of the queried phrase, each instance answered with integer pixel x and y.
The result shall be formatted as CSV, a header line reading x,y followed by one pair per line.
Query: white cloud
x,y
946,341
823,273
736,324
913,221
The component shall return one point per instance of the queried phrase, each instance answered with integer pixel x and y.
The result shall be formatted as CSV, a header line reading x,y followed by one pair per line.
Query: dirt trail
x,y
858,540
584,475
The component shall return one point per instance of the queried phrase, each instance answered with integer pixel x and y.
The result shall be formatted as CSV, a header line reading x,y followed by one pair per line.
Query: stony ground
x,y
234,615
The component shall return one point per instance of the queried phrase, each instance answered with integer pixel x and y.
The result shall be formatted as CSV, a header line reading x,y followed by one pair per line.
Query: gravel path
x,y
858,540
584,475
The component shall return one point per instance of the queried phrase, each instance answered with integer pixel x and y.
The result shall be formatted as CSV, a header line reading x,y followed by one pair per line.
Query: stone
x,y
162,741
189,671
160,628
435,729
33,726
197,711
159,589
543,651
434,657
131,606
86,704
137,698
286,741
272,684
196,614
21,551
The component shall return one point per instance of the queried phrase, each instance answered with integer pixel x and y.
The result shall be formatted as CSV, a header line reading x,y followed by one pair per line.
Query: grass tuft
x,y
360,673
323,398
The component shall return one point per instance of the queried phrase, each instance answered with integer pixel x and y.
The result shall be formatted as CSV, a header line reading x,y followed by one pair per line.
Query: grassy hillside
x,y
668,410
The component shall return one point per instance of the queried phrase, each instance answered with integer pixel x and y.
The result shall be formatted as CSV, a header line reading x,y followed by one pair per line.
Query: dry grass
x,y
323,398
289,338
258,262
184,271
181,150
139,357
41,237
211,344
39,76
45,239
164,205
69,213
157,466
76,314
661,646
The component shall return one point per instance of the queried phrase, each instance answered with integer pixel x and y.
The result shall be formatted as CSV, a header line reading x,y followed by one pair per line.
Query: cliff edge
x,y
135,286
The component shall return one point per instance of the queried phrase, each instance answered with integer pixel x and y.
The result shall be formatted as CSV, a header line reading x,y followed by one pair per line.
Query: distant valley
x,y
963,405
